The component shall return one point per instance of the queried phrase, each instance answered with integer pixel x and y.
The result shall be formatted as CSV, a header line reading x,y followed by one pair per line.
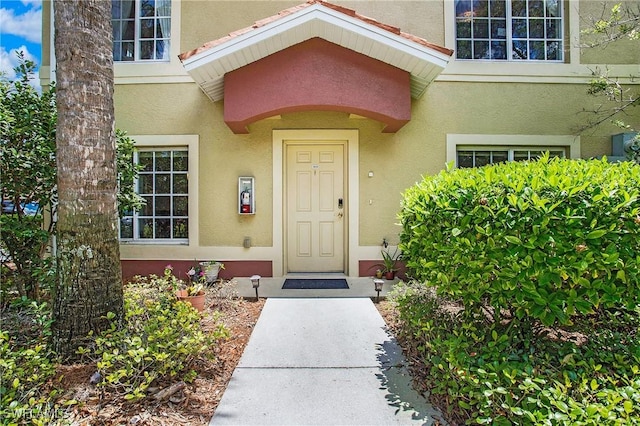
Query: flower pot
x,y
389,275
196,301
211,270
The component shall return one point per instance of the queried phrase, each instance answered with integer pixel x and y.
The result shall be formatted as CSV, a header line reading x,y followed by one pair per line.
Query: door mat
x,y
314,283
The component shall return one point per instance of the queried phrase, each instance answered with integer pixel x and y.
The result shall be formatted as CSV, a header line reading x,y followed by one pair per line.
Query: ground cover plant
x,y
125,375
525,305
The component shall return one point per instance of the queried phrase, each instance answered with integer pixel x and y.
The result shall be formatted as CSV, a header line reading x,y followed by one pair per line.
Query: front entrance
x,y
315,206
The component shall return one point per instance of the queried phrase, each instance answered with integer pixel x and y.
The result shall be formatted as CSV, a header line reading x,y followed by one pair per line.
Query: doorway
x,y
315,206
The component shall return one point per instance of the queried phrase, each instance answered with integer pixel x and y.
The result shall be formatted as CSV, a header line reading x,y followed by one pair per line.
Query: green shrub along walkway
x,y
535,319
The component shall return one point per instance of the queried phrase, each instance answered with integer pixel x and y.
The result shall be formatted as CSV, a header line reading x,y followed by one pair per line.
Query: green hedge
x,y
546,240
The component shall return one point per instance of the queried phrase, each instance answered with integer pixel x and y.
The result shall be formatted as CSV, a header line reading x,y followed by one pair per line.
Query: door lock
x,y
340,203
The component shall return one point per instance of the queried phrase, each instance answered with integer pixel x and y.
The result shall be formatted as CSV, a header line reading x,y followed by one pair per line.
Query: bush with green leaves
x,y
160,339
28,163
547,240
26,366
527,309
481,372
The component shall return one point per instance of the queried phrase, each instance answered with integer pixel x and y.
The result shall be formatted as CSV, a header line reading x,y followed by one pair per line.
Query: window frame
x,y
570,143
510,151
188,143
509,38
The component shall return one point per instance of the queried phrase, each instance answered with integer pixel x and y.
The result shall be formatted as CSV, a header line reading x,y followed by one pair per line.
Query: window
x,y
164,183
515,30
481,156
141,30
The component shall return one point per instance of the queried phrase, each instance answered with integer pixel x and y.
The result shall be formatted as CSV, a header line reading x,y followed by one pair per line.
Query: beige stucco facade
x,y
469,103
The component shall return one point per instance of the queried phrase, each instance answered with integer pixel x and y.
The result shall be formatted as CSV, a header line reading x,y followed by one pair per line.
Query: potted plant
x,y
209,270
193,294
389,265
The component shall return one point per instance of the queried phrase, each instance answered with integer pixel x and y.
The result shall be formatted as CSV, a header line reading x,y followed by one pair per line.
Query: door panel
x,y
315,220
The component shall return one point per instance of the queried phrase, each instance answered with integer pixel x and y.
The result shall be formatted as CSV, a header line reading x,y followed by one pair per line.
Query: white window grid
x,y
164,186
141,30
546,31
481,156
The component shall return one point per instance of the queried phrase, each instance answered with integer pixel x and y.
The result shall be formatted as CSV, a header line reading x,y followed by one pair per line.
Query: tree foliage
x,y
619,23
28,162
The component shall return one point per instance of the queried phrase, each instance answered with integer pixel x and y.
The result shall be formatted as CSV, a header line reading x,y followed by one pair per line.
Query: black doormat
x,y
314,283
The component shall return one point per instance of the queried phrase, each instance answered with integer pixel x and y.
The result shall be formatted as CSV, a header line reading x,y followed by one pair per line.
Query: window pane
x,y
463,8
180,228
519,28
147,209
498,9
536,28
163,228
552,8
520,155
163,183
180,161
498,28
499,156
519,8
126,227
465,159
537,50
536,8
463,29
145,159
180,206
146,50
464,49
163,161
481,28
147,28
481,50
553,28
145,228
163,206
145,184
147,8
553,50
483,158
180,184
519,49
498,50
481,8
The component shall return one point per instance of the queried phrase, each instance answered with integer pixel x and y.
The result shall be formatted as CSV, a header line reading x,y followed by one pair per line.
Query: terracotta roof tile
x,y
294,9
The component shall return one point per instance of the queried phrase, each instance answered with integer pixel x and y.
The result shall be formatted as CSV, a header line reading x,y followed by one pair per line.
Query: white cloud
x,y
9,60
27,25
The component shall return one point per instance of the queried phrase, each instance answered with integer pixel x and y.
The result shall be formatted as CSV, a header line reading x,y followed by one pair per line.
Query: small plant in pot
x,y
389,265
193,294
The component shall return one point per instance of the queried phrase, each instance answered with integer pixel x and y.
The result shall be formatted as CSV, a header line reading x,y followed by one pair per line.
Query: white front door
x,y
315,207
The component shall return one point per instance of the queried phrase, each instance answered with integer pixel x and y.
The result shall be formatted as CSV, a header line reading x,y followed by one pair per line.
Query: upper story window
x,y
141,30
513,30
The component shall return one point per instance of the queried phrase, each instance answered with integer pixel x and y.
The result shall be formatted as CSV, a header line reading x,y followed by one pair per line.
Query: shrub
x,y
528,312
26,365
160,340
548,240
480,372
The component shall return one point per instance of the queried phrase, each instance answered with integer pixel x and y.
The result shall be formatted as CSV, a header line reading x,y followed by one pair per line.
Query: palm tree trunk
x,y
89,275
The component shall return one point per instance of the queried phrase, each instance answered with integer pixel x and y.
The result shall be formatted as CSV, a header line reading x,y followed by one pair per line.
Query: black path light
x,y
255,282
377,284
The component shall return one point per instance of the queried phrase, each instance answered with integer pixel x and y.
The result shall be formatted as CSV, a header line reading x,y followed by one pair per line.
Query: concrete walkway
x,y
321,362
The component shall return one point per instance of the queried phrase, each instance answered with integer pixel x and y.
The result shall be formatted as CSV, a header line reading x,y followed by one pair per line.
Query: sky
x,y
20,29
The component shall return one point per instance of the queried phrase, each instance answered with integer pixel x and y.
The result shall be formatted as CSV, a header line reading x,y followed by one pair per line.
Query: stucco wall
x,y
396,160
